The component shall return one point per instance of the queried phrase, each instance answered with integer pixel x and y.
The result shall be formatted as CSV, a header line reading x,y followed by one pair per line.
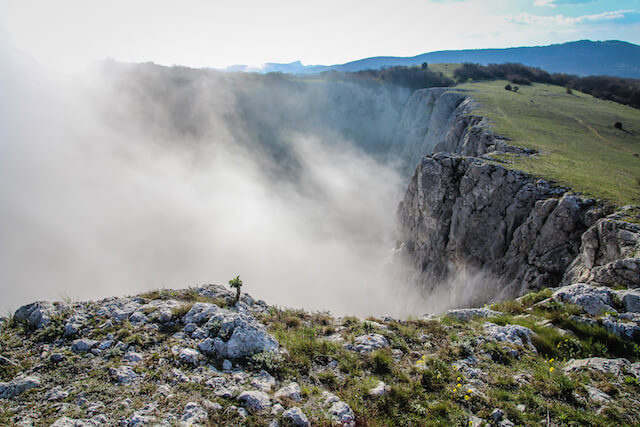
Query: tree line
x,y
617,89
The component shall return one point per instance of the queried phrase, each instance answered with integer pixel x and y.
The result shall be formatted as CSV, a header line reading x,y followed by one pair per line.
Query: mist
x,y
127,178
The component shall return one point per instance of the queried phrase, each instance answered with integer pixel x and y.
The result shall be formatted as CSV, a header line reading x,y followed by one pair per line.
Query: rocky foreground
x,y
191,357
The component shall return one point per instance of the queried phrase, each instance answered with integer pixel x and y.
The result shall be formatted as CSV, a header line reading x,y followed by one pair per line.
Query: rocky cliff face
x,y
460,213
463,215
439,119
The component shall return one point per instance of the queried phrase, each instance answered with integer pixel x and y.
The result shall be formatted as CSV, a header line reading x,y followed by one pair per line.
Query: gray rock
x,y
36,315
380,389
597,396
56,357
17,386
200,313
502,231
132,356
227,365
193,414
70,422
368,343
255,400
296,416
607,366
190,356
512,334
277,409
497,414
83,345
123,375
291,391
608,254
263,381
630,299
56,393
138,318
342,413
593,300
469,313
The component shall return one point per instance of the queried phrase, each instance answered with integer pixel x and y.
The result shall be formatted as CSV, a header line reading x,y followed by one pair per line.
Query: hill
x,y
583,58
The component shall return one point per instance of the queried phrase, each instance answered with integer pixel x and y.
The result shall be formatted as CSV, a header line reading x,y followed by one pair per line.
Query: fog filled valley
x,y
126,178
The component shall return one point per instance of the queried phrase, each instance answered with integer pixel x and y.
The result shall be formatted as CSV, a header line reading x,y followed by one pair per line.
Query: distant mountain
x,y
583,58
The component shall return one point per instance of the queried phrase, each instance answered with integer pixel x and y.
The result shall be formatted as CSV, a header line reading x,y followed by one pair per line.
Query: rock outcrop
x,y
464,214
441,119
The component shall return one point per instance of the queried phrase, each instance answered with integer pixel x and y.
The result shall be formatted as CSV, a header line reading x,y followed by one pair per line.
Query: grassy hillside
x,y
574,133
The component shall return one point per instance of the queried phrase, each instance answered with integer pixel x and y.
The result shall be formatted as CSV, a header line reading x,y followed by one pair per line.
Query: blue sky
x,y
66,34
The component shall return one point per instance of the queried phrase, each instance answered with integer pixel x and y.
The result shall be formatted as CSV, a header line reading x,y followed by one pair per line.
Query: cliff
x,y
464,215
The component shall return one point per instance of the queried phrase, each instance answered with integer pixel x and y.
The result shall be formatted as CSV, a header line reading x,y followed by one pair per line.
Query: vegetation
x,y
623,91
575,135
236,283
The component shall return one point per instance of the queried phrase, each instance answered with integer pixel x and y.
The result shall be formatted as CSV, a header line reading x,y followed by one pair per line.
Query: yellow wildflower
x,y
469,391
551,369
459,385
466,397
551,360
470,422
459,379
455,389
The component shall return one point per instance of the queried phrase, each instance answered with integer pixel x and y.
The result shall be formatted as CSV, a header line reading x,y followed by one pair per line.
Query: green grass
x,y
574,133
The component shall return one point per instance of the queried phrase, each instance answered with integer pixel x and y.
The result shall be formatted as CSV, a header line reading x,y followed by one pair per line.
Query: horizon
x,y
71,34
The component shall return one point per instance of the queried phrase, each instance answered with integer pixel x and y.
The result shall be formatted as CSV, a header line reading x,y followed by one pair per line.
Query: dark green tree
x,y
237,284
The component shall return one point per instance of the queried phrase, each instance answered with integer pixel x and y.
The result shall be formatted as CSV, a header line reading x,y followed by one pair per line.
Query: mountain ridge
x,y
582,57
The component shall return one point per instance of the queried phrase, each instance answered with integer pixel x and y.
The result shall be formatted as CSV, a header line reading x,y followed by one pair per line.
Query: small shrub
x,y
435,376
618,125
507,87
381,362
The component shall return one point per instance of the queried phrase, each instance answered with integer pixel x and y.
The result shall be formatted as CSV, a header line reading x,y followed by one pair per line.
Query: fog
x,y
127,178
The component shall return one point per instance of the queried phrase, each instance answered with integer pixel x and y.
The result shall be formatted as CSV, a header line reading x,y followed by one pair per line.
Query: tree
x,y
237,284
425,65
507,87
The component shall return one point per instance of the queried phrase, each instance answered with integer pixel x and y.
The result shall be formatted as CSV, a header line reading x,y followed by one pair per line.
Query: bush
x,y
507,87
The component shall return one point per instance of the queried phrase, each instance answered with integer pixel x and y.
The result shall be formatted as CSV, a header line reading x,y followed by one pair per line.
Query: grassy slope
x,y
574,133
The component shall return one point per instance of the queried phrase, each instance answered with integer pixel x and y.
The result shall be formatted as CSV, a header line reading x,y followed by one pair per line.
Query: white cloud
x,y
562,20
549,3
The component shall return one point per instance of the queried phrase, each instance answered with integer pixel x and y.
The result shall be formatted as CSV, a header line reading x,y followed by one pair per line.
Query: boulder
x,y
255,400
123,375
17,386
36,315
599,364
291,391
193,414
511,334
593,300
342,413
368,343
469,313
296,416
83,345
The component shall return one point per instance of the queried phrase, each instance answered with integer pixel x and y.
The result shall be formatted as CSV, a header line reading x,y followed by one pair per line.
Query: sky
x,y
69,34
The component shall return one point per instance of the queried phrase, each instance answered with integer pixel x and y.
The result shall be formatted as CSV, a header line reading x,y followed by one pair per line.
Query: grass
x,y
578,145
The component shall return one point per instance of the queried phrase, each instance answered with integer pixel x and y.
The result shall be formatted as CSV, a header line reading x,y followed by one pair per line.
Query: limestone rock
x,y
17,386
123,375
342,413
193,414
291,391
380,389
593,300
255,400
607,366
296,416
368,343
512,334
36,315
83,345
469,313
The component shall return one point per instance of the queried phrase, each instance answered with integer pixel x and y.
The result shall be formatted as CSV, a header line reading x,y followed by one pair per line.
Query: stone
x,y
597,396
368,343
83,345
263,381
255,400
190,356
227,365
469,313
630,299
123,375
296,416
56,357
291,391
36,315
497,414
17,386
56,393
193,414
593,300
277,409
138,318
342,413
599,364
132,356
200,313
380,389
70,422
512,334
